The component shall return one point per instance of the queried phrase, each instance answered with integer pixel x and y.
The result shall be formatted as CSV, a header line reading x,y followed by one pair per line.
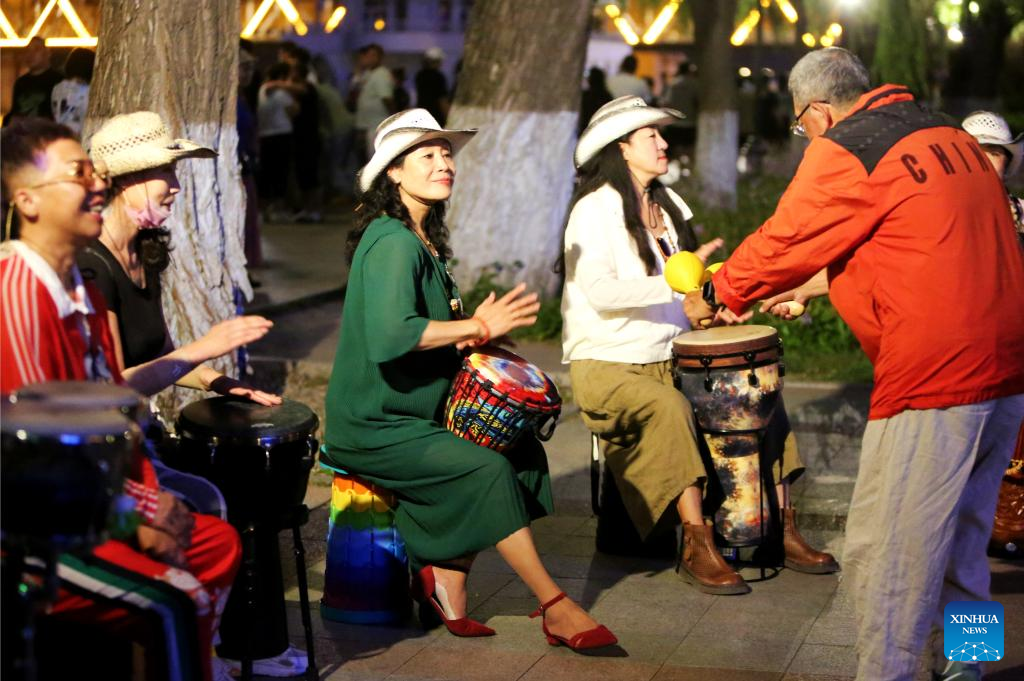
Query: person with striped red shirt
x,y
53,326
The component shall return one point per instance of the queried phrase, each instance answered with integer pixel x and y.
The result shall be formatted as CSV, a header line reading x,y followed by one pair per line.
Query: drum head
x,y
83,395
514,376
28,420
238,419
725,340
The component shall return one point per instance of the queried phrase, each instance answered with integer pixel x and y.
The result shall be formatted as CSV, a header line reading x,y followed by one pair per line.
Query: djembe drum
x,y
733,379
497,396
62,472
260,457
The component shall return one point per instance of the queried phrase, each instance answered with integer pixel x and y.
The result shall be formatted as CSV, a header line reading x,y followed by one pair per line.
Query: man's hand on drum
x,y
702,316
704,251
226,336
225,385
173,517
513,310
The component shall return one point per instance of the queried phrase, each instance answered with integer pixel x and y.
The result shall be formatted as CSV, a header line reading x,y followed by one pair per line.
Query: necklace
x,y
455,301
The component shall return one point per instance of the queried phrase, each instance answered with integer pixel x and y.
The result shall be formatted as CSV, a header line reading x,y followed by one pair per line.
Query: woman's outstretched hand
x,y
225,385
513,310
228,335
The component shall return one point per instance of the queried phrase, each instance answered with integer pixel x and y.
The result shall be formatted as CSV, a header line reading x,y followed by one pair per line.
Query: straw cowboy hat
x,y
139,141
401,132
617,118
990,128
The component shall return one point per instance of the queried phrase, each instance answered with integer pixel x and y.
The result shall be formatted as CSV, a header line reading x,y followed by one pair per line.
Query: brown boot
x,y
799,554
701,565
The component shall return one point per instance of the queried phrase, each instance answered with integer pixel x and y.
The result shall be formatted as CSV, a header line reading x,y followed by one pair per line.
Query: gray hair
x,y
832,75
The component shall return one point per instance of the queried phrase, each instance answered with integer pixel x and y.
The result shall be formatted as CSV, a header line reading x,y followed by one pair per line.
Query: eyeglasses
x,y
796,127
82,172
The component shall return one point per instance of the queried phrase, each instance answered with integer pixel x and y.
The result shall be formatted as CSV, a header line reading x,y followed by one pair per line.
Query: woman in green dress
x,y
401,333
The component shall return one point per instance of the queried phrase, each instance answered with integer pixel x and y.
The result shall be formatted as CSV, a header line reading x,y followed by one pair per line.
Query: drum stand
x,y
250,574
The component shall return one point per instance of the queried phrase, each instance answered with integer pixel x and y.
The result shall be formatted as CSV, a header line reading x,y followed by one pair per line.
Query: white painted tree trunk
x,y
520,85
513,185
180,59
718,134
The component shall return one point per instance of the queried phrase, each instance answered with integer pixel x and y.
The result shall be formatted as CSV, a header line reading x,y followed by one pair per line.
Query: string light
x,y
742,32
335,19
660,22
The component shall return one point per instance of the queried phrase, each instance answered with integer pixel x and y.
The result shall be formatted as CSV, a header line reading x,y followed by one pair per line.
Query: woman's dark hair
x,y
382,198
609,167
79,64
153,245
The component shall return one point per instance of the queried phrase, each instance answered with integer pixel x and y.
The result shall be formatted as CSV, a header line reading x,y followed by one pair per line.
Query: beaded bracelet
x,y
487,332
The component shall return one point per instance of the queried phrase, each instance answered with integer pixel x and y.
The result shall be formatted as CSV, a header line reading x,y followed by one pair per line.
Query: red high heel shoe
x,y
425,590
598,637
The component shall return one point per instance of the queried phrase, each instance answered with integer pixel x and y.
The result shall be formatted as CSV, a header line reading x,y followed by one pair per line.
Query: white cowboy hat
x,y
139,141
617,118
435,53
399,133
990,128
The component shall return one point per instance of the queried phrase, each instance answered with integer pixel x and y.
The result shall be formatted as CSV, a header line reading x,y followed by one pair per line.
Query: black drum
x,y
62,469
260,457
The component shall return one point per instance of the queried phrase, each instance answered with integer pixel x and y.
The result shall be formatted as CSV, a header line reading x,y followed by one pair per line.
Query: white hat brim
x,y
603,131
396,142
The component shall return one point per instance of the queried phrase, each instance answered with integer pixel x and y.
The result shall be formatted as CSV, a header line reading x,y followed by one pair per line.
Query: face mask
x,y
149,217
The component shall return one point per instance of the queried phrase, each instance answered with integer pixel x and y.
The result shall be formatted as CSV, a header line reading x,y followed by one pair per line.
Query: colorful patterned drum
x,y
497,396
367,577
733,379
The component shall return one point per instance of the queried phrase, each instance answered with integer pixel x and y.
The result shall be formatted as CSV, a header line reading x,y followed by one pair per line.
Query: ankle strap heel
x,y
544,606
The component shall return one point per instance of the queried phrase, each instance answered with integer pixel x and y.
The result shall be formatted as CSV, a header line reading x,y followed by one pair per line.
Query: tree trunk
x,y
180,59
520,85
718,126
901,52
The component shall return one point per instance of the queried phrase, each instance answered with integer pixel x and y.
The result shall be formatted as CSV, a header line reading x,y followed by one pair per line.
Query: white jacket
x,y
612,310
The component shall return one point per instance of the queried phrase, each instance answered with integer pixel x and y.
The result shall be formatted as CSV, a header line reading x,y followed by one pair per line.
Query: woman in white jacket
x,y
619,319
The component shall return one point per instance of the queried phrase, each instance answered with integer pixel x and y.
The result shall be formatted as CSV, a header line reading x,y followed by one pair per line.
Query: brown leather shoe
x,y
701,565
799,554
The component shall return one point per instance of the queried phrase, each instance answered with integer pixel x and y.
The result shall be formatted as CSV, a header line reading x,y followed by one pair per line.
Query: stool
x,y
367,575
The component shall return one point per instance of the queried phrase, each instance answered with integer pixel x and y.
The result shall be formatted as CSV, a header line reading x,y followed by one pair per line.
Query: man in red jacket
x,y
53,327
897,215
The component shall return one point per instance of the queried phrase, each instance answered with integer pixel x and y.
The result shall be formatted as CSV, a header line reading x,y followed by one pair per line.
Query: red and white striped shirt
x,y
47,334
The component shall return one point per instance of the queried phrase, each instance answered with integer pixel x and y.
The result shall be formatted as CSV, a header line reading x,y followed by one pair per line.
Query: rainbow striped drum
x,y
367,577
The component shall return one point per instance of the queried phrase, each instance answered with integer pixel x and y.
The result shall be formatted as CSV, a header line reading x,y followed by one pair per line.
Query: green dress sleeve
x,y
393,270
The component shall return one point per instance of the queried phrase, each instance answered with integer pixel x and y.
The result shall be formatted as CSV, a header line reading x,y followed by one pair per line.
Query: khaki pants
x,y
919,523
650,436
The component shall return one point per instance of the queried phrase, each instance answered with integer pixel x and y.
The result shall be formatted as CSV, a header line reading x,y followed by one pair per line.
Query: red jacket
x,y
910,218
